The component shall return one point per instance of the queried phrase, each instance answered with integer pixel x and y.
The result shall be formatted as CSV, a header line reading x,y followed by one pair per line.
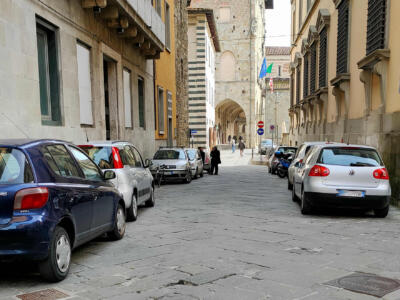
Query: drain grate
x,y
368,284
48,294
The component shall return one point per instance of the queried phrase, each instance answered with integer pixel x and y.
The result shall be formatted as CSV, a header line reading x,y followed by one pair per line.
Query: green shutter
x,y
43,79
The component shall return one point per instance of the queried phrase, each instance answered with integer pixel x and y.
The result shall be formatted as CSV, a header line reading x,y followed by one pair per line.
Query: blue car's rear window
x,y
14,167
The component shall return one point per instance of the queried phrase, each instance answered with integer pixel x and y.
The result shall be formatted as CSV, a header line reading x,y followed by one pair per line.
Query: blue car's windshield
x,y
14,168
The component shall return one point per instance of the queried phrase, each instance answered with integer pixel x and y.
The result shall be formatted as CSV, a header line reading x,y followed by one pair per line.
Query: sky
x,y
278,24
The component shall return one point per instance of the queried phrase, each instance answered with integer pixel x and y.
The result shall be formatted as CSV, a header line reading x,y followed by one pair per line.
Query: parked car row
x,y
179,164
55,196
337,175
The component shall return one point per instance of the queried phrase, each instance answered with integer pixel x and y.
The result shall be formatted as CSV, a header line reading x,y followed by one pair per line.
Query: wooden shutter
x,y
127,98
141,102
298,77
323,47
85,84
343,37
305,75
313,67
376,25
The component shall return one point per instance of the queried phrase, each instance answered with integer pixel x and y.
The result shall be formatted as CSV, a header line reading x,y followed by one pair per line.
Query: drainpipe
x,y
251,71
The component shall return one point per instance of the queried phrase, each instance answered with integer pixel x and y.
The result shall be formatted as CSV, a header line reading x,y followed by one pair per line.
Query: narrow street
x,y
233,236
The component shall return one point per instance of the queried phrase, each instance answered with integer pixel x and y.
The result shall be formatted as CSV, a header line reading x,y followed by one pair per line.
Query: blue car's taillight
x,y
32,198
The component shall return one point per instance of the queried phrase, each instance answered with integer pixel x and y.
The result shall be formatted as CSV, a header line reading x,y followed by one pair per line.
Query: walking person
x,y
242,146
233,146
215,160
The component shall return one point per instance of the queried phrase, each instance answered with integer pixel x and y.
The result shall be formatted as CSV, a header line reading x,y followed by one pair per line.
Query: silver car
x,y
195,161
342,176
300,154
175,163
133,178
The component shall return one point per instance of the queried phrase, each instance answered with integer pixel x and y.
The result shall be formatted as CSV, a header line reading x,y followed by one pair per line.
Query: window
x,y
279,71
323,43
300,13
138,158
14,167
313,67
60,161
308,5
350,156
342,37
291,89
89,169
224,14
269,4
142,108
305,75
167,27
85,84
102,156
49,84
170,154
127,98
376,25
127,157
161,112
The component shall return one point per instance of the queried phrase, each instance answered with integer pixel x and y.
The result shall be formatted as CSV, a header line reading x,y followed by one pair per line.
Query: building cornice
x,y
323,20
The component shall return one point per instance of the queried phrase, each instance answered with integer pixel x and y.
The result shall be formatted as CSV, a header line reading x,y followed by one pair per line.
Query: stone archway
x,y
231,120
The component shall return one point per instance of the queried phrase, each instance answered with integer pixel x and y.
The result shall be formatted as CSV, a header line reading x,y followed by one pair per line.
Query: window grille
x,y
323,43
342,37
376,25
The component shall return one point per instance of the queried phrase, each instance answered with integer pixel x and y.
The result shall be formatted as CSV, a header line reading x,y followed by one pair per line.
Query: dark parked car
x,y
53,198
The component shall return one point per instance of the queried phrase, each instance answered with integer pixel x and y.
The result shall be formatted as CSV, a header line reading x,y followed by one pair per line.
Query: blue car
x,y
53,198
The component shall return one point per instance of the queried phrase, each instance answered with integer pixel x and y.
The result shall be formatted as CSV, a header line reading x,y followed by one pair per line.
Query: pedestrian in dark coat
x,y
215,160
242,146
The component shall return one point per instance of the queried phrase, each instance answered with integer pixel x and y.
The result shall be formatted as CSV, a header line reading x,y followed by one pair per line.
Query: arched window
x,y
227,67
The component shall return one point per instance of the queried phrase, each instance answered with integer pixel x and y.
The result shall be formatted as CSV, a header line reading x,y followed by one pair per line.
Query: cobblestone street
x,y
233,236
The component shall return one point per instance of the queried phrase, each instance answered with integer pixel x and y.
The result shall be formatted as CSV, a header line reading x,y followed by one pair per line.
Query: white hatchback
x,y
342,176
133,177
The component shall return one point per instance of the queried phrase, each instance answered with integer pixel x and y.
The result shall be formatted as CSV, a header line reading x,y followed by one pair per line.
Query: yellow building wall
x,y
165,76
393,86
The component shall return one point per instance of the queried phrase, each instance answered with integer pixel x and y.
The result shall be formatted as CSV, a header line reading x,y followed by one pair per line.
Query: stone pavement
x,y
237,235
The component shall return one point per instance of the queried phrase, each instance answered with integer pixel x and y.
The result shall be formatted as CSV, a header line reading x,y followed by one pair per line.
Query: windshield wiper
x,y
361,164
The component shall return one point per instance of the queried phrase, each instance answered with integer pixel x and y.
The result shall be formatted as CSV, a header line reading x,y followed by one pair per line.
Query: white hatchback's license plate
x,y
356,194
170,173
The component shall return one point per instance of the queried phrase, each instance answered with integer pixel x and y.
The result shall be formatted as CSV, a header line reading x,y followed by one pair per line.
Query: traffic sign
x,y
272,127
260,131
260,124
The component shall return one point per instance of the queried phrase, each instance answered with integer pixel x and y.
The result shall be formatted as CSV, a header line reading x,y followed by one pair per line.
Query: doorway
x,y
110,98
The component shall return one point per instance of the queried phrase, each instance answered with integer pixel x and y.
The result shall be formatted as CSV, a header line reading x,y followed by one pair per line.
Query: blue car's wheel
x,y
56,266
118,231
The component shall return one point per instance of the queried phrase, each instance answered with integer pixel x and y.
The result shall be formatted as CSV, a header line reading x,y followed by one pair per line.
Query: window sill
x,y
320,91
51,123
369,61
345,77
168,49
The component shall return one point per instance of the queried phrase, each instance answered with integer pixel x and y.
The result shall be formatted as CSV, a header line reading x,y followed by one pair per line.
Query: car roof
x,y
106,143
171,149
28,142
346,145
321,143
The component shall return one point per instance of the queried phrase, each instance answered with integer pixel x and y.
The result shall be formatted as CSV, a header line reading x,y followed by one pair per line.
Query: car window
x,y
60,161
127,157
14,167
138,158
350,156
311,153
191,154
102,156
170,154
308,155
88,167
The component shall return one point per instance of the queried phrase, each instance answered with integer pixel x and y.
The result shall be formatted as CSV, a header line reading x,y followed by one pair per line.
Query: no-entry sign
x,y
260,124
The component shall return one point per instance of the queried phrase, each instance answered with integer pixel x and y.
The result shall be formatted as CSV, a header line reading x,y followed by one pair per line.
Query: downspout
x,y
251,71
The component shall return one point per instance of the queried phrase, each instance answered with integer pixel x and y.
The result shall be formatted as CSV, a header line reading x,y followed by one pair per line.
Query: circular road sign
x,y
272,127
260,131
260,124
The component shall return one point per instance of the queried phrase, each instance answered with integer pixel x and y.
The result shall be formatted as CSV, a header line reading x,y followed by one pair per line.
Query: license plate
x,y
170,173
344,193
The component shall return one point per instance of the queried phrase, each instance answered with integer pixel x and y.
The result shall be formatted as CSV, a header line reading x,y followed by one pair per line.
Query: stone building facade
x,y
241,31
203,46
346,76
79,70
181,67
278,102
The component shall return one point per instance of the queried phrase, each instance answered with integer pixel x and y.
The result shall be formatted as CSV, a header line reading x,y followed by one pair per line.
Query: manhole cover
x,y
364,283
48,294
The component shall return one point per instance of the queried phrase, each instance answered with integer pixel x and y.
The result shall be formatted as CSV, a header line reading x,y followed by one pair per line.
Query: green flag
x,y
269,69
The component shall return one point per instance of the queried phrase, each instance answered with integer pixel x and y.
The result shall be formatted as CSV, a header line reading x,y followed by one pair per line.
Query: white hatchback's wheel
x,y
132,210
